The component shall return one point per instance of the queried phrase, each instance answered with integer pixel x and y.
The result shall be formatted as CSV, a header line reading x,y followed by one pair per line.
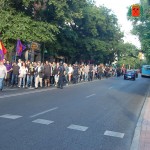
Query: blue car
x,y
130,75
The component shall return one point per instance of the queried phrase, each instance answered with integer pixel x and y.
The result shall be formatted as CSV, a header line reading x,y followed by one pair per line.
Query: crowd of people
x,y
26,74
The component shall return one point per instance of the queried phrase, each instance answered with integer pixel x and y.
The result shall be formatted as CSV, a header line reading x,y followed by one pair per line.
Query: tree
x,y
76,29
128,55
16,25
141,28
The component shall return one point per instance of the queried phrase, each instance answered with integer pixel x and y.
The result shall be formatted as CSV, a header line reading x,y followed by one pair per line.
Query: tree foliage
x,y
17,25
76,29
128,55
141,28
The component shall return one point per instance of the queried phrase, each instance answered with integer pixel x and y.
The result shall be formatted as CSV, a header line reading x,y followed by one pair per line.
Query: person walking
x,y
70,73
55,73
86,71
38,75
15,73
47,74
9,73
107,71
75,73
3,74
61,70
90,72
30,75
66,73
22,74
100,71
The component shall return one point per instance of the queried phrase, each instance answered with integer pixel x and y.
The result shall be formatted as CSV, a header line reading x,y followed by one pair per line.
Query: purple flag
x,y
1,55
20,47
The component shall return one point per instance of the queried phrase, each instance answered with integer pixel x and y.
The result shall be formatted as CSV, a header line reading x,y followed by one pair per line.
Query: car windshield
x,y
147,67
130,71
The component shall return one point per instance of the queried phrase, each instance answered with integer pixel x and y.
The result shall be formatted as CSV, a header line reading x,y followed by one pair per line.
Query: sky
x,y
119,7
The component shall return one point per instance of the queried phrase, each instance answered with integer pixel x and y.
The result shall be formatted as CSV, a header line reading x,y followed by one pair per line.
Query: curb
x,y
136,137
33,91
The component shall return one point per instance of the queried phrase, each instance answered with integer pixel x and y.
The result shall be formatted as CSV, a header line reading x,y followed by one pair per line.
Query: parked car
x,y
130,75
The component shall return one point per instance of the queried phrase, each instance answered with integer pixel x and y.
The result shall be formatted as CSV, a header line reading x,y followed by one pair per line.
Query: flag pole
x,y
16,54
15,57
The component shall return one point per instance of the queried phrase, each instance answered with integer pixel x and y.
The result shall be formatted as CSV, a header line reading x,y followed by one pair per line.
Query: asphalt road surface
x,y
98,115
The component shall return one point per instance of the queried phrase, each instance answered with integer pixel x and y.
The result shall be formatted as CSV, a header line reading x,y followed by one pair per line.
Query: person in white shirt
x,y
3,74
22,74
70,68
39,70
86,71
19,63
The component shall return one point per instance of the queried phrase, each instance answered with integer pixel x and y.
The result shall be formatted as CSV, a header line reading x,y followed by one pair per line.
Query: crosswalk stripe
x,y
9,116
43,121
114,134
77,127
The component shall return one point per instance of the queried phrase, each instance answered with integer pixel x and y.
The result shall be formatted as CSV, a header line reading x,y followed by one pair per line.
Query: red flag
x,y
2,47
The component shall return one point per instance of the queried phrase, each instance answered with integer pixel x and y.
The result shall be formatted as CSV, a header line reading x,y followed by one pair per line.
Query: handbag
x,y
20,76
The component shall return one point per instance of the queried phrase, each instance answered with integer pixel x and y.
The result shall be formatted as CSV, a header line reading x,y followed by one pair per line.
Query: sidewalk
x,y
141,140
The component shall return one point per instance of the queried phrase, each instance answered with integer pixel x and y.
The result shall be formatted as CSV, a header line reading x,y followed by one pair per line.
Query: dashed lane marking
x,y
9,116
77,127
43,121
90,95
46,111
114,134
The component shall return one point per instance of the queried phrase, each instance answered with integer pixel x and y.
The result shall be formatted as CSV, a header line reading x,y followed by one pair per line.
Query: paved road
x,y
98,115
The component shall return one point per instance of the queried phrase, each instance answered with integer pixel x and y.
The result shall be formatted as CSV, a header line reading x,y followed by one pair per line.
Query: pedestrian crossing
x,y
43,121
9,116
73,127
77,127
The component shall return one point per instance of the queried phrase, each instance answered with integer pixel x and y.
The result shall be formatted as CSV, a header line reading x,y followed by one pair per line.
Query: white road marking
x,y
25,93
90,95
46,111
110,87
9,116
114,134
77,127
10,89
43,121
